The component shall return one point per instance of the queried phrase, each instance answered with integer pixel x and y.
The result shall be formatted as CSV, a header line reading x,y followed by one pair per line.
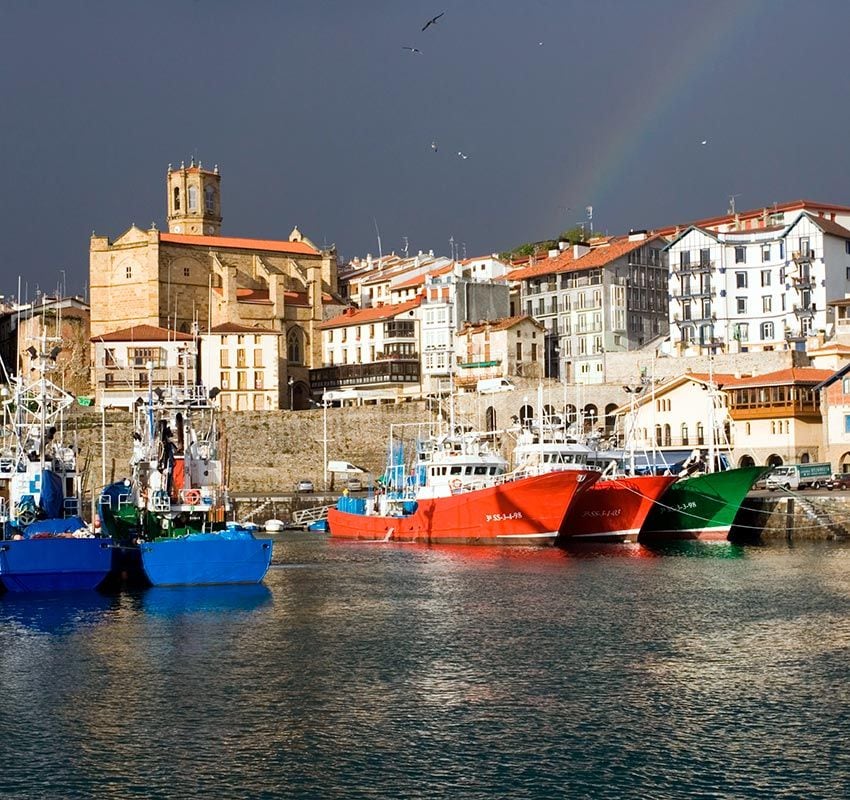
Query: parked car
x,y
840,480
354,485
304,486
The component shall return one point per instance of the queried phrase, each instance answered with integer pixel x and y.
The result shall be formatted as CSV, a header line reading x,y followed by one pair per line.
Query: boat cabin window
x,y
456,471
467,470
492,470
481,470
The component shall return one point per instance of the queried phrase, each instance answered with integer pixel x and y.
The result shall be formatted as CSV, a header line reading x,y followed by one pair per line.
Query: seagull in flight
x,y
432,21
704,141
434,146
412,49
464,156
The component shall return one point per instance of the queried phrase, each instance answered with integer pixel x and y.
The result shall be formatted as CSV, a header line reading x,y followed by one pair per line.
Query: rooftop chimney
x,y
580,249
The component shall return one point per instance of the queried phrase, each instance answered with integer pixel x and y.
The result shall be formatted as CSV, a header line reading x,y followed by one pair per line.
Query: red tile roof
x,y
419,280
597,256
367,315
793,205
143,333
228,242
781,377
501,324
829,226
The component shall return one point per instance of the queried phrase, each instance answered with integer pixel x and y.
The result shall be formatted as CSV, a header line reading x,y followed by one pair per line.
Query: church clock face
x,y
178,229
210,228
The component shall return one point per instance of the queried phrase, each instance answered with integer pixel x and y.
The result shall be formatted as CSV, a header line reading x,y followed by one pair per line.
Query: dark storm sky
x,y
318,117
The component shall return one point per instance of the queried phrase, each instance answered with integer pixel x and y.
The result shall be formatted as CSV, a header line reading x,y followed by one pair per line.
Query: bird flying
x,y
464,156
432,21
704,141
434,146
412,49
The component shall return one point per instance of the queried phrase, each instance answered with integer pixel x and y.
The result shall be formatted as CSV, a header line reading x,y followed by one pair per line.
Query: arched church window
x,y
294,349
209,198
176,198
193,198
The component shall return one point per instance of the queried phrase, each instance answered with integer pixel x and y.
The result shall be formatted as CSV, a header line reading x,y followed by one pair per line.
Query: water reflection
x,y
170,601
55,613
694,549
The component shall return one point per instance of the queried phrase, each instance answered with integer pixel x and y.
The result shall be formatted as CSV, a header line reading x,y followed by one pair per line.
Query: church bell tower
x,y
194,200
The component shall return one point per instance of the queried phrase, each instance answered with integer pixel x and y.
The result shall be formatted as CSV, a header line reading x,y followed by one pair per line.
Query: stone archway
x,y
747,461
844,463
300,396
526,415
774,461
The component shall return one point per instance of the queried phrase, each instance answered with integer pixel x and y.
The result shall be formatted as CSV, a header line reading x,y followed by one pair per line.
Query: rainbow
x,y
719,27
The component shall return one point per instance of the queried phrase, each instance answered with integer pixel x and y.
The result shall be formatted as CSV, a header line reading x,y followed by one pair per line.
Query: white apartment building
x,y
470,292
757,289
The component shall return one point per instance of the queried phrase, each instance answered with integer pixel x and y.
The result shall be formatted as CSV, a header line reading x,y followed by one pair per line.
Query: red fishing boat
x,y
614,508
459,492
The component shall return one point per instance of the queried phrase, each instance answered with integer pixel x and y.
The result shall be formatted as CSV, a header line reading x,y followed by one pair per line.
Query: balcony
x,y
802,282
386,371
695,293
804,311
122,377
399,329
692,269
803,256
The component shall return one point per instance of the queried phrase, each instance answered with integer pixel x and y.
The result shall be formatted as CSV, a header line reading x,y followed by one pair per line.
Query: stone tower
x,y
194,200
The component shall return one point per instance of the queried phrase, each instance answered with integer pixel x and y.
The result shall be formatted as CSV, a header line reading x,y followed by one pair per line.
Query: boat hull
x,y
526,511
701,507
613,510
54,563
206,559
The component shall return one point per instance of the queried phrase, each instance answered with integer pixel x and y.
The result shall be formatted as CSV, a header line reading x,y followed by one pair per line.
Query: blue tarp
x,y
51,494
67,525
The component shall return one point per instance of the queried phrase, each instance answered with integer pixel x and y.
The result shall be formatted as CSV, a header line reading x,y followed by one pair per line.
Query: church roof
x,y
232,243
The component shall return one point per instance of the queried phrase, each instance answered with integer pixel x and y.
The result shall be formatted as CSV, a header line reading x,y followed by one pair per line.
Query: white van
x,y
492,385
345,467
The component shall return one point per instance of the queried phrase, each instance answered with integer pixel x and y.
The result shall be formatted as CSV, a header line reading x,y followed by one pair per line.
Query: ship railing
x,y
306,516
161,502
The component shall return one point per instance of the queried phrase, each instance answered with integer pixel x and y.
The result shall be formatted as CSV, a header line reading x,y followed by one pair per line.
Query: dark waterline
x,y
386,671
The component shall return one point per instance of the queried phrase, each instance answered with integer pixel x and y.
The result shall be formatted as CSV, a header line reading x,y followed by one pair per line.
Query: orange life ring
x,y
192,497
455,483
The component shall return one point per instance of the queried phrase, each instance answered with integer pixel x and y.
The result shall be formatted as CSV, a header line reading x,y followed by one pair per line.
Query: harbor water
x,y
392,671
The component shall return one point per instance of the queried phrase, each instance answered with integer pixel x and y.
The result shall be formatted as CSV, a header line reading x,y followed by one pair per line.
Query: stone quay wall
x,y
267,452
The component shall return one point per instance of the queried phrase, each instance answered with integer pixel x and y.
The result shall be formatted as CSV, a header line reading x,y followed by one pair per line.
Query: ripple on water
x,y
388,671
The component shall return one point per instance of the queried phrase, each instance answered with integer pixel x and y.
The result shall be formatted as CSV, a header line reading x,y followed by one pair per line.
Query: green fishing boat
x,y
701,506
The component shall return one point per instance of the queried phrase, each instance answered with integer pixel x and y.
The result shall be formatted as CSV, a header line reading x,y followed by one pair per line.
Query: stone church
x,y
193,278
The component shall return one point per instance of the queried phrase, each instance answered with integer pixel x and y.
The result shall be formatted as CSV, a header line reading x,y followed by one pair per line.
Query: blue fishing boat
x,y
169,517
45,545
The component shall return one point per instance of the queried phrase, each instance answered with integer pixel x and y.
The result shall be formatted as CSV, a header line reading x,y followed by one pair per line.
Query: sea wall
x,y
265,451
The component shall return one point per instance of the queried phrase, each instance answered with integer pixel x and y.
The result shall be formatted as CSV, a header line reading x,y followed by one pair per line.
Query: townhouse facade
x,y
502,348
609,295
373,351
239,362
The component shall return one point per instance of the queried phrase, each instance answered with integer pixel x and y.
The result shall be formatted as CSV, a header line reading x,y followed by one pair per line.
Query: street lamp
x,y
291,382
325,436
